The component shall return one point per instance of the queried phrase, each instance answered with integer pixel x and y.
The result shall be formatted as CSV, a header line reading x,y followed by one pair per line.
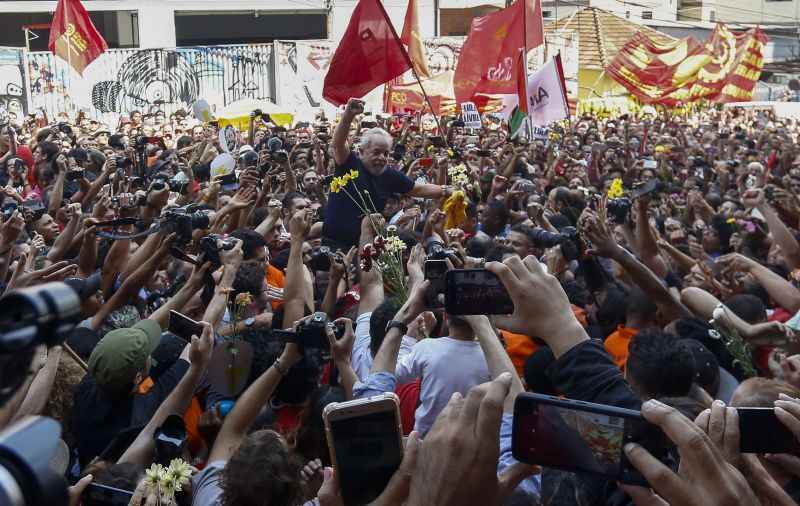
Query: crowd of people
x,y
653,262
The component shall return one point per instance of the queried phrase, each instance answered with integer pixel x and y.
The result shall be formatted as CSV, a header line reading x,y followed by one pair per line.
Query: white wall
x,y
396,9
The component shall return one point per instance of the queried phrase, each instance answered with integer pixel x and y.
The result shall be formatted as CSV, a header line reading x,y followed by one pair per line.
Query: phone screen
x,y
368,453
576,438
761,432
183,326
476,291
102,495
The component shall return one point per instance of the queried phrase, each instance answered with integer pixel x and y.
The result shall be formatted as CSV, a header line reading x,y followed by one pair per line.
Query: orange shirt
x,y
276,278
617,345
520,347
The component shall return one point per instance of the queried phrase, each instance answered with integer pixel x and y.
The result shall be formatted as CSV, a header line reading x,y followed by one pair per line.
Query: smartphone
x,y
435,272
761,432
581,436
365,439
74,175
426,162
475,291
437,141
103,495
183,326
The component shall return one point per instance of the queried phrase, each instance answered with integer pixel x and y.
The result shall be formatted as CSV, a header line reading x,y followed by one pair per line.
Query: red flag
x,y
413,41
370,54
73,36
522,84
489,55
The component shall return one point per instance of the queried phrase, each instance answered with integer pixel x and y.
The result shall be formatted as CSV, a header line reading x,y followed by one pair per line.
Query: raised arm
x,y
57,194
790,249
294,292
341,151
593,226
386,357
496,357
231,260
250,404
371,281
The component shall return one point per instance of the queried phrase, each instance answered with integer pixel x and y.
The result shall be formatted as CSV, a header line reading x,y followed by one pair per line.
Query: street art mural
x,y
124,80
13,95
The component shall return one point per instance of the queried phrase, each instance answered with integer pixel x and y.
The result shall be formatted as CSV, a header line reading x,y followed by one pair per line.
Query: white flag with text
x,y
547,95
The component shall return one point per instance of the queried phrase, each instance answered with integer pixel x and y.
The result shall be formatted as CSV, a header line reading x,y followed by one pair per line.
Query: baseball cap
x,y
244,149
122,353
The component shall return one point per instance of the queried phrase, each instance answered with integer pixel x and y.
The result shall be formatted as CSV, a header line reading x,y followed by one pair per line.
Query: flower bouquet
x,y
160,484
386,250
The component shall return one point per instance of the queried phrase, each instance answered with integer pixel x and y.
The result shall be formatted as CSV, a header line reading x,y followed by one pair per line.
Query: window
x,y
647,14
627,14
712,16
547,14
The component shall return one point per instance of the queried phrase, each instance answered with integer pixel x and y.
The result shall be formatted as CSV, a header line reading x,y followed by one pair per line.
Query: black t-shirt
x,y
98,416
342,216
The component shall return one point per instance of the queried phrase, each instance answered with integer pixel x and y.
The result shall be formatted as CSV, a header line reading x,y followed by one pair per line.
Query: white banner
x,y
546,99
470,115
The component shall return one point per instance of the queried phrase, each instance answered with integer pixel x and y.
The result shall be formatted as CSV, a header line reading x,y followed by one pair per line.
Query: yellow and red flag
x,y
73,36
413,40
656,73
734,68
724,69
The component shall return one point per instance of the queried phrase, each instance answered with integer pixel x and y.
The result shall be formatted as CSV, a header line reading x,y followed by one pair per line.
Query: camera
x,y
41,314
181,222
568,239
8,210
320,259
123,160
312,333
64,129
280,156
74,175
436,251
26,449
619,209
212,244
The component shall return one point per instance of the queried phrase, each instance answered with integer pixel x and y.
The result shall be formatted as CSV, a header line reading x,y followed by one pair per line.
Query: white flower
x,y
719,313
395,245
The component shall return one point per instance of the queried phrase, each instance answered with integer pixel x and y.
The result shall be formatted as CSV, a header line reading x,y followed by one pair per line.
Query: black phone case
x,y
628,474
481,301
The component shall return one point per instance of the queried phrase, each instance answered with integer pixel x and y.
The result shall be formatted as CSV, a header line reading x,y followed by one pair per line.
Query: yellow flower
x,y
730,221
616,190
244,299
353,174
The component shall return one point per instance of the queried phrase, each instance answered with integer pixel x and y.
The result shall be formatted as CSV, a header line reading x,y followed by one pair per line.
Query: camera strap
x,y
125,221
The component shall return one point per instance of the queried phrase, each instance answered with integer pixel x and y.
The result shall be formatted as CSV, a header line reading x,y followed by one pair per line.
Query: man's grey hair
x,y
375,133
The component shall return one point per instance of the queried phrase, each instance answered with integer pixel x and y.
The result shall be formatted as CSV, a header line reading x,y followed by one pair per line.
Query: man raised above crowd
x,y
342,217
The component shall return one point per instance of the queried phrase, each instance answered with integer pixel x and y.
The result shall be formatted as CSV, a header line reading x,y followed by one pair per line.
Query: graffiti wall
x,y
300,73
123,80
13,94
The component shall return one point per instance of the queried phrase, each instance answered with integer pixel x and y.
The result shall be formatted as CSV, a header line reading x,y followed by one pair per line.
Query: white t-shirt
x,y
446,366
361,359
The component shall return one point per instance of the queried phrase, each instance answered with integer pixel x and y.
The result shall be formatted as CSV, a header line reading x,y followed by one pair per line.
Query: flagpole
x,y
413,71
525,60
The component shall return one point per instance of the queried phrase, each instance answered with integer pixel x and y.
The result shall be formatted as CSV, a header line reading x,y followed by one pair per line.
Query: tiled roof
x,y
601,34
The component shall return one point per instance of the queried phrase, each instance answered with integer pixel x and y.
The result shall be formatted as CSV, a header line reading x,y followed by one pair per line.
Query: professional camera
x,y
571,245
312,333
26,449
64,128
212,244
123,160
41,314
436,251
320,259
619,209
181,222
